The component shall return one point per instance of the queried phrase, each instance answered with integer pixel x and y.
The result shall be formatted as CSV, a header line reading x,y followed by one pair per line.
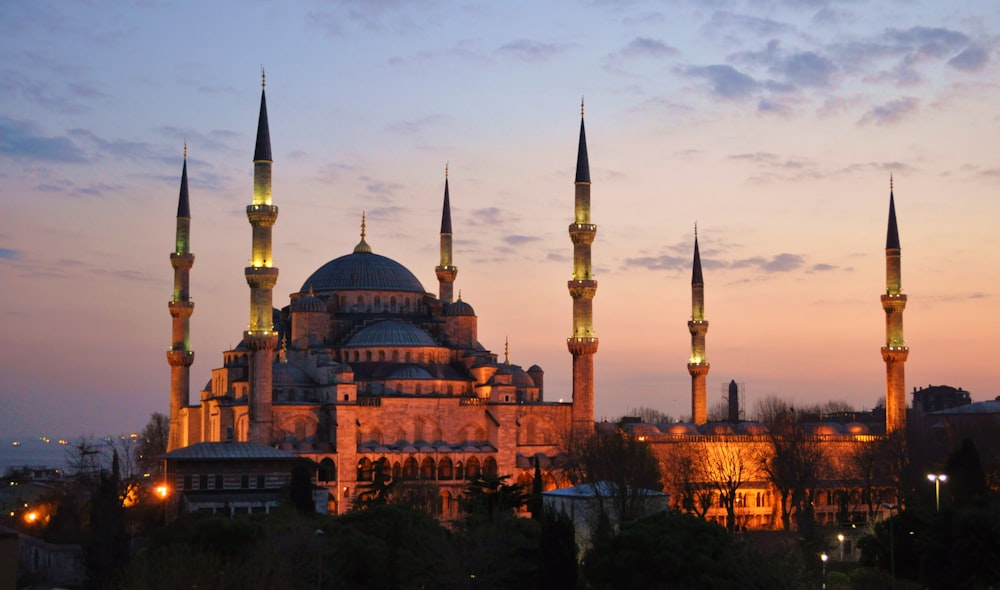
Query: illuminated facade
x,y
364,367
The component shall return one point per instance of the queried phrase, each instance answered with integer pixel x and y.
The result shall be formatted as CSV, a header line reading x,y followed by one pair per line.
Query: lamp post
x,y
892,552
319,534
840,539
937,478
823,558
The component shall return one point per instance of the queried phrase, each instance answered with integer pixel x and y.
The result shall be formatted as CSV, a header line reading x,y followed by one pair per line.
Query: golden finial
x,y
362,225
263,77
363,247
581,107
696,230
446,169
506,350
890,182
459,294
185,149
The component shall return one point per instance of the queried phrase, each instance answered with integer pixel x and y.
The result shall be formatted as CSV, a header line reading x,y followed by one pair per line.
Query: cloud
x,y
806,69
664,262
928,41
647,47
9,254
763,27
726,81
775,108
822,267
779,263
890,112
487,216
22,139
415,126
381,188
520,240
972,59
221,140
118,148
533,51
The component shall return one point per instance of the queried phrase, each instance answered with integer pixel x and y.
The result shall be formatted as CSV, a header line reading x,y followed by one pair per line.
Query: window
x,y
187,483
203,481
260,482
218,481
244,482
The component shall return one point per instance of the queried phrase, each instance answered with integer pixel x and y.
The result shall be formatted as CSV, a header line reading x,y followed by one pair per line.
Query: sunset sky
x,y
774,125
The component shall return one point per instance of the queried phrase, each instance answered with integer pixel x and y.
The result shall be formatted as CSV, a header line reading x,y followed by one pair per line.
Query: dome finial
x,y
459,294
363,247
506,350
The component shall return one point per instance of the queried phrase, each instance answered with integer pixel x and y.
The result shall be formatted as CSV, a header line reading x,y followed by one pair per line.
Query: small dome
x,y
858,428
535,369
504,369
685,428
521,379
641,429
718,428
286,375
459,309
825,429
751,428
391,333
308,304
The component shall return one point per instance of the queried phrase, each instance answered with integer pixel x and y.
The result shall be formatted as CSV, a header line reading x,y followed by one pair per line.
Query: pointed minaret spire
x,y
180,356
260,337
895,351
582,160
698,364
582,288
446,271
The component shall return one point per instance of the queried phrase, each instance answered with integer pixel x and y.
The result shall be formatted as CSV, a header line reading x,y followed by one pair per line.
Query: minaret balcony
x,y
580,345
181,309
180,358
261,277
181,260
261,339
582,233
262,215
698,368
585,288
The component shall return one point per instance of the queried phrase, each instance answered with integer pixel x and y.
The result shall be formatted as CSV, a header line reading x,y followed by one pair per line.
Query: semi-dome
x,y
363,271
391,333
308,304
410,372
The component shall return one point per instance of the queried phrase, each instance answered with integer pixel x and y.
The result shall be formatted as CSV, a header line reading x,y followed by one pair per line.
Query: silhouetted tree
x,y
557,555
300,489
106,548
624,462
966,482
379,491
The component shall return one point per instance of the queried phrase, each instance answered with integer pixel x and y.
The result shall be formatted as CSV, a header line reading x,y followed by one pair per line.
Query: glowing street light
x,y
840,539
937,478
162,491
824,557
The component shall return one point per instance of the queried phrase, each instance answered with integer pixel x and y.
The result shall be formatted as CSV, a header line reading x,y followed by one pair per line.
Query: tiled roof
x,y
228,451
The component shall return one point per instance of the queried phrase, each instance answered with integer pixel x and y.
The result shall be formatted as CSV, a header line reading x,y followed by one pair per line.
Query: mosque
x,y
364,370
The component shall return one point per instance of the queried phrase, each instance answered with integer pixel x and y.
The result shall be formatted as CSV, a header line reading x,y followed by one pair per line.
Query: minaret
x,y
582,288
895,351
180,356
446,271
261,276
698,326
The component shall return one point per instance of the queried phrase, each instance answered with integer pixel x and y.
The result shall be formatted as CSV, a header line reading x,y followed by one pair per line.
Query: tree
x,y
626,465
727,465
300,489
792,463
648,415
687,482
966,481
152,444
379,491
106,548
489,498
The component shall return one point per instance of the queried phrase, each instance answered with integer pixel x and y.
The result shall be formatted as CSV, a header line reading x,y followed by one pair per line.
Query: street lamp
x,y
840,539
937,478
824,557
892,552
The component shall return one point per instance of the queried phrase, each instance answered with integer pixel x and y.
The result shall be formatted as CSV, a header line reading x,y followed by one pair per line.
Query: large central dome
x,y
363,271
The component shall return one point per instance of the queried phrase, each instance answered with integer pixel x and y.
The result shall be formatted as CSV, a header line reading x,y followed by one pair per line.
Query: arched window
x,y
427,470
490,467
472,468
381,355
410,468
378,303
445,470
397,470
327,470
368,355
365,469
407,356
395,356
392,304
459,470
420,388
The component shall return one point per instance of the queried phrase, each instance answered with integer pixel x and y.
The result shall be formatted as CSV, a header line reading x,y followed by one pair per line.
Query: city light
x,y
162,491
937,478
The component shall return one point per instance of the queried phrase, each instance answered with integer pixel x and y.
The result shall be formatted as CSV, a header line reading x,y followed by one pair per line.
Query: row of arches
x,y
443,469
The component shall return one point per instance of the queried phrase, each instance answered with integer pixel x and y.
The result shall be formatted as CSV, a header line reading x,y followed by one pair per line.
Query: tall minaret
x,y
446,271
180,356
582,288
698,326
895,351
261,275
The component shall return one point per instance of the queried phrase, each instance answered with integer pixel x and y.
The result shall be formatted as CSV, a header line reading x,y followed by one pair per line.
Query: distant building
x,y
935,398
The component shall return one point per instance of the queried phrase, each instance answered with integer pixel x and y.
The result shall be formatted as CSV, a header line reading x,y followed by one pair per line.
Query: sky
x,y
774,125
